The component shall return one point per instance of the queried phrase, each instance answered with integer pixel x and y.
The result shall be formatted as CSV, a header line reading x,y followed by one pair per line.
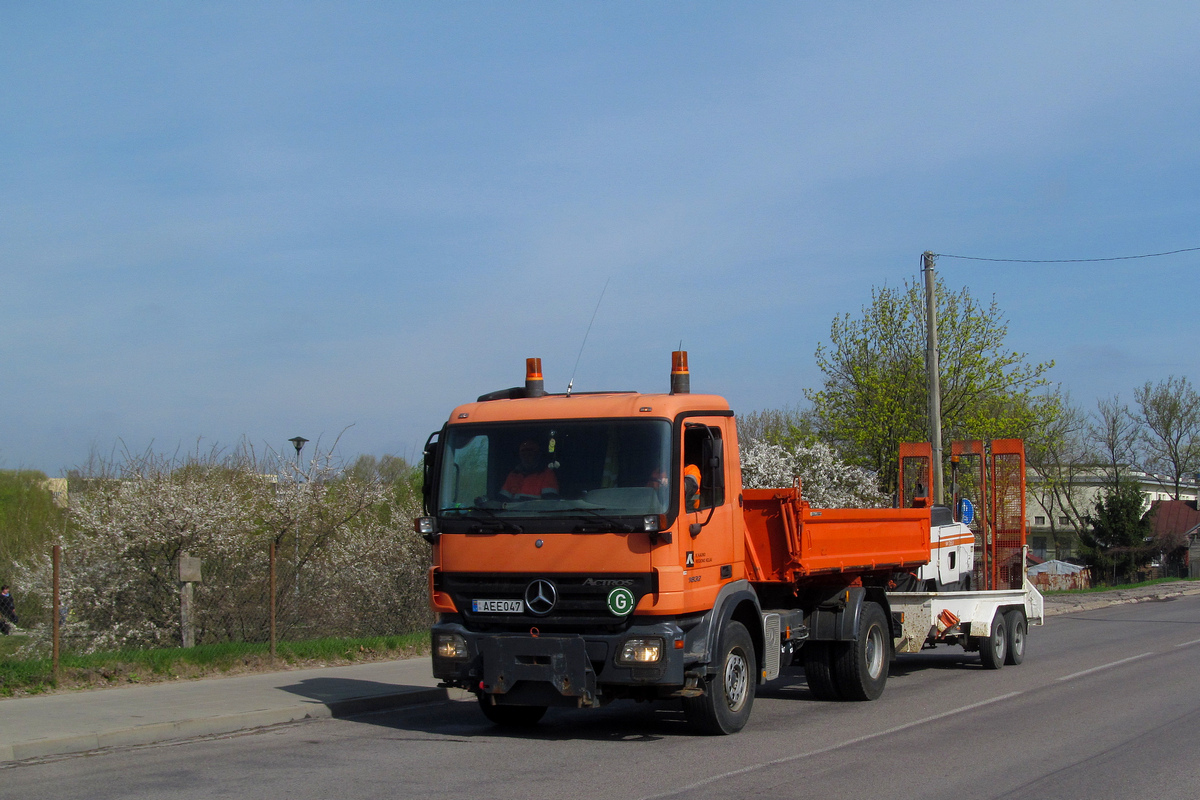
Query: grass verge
x,y
1121,586
96,670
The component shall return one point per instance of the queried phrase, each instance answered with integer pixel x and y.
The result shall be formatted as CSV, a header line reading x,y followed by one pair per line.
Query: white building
x,y
1053,522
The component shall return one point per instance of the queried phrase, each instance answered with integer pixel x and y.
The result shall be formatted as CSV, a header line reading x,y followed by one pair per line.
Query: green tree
x,y
402,479
786,427
29,517
875,393
1115,541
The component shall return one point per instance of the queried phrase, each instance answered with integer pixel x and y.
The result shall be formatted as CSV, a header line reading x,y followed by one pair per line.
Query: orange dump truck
x,y
595,546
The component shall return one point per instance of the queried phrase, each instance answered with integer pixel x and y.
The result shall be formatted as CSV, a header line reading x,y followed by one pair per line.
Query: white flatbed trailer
x,y
993,622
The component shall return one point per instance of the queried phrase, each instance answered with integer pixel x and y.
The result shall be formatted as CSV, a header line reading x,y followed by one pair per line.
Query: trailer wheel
x,y
993,649
818,671
1017,629
861,667
510,716
725,705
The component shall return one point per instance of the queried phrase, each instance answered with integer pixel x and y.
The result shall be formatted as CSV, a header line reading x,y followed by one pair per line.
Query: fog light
x,y
449,645
425,525
641,650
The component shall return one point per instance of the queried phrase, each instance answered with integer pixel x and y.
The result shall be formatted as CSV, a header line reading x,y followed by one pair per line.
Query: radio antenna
x,y
571,382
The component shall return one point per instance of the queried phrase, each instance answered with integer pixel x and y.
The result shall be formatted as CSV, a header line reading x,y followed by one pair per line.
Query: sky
x,y
229,222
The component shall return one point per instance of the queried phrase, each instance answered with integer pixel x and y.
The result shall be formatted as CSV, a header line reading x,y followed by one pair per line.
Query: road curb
x,y
161,732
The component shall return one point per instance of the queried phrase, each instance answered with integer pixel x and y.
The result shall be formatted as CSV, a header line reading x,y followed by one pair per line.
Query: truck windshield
x,y
590,472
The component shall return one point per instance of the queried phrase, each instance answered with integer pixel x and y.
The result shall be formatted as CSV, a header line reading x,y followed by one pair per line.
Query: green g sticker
x,y
620,601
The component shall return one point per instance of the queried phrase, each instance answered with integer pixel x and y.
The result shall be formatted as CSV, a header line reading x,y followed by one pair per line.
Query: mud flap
x,y
561,662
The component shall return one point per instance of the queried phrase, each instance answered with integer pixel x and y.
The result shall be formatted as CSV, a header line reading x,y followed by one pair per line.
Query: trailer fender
x,y
736,600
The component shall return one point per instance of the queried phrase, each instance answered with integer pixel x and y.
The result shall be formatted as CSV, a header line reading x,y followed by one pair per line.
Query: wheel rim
x,y
1018,639
874,652
1000,643
737,684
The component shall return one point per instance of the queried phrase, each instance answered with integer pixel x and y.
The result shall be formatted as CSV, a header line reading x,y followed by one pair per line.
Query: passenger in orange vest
x,y
531,479
691,487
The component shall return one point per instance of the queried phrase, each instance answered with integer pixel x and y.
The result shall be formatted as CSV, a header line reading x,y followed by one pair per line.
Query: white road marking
x,y
821,751
1188,644
1103,666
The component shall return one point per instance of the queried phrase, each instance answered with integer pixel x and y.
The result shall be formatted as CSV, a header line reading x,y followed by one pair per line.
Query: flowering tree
x,y
826,481
349,561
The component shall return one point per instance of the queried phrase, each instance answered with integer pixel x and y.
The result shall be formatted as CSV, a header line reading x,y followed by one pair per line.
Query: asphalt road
x,y
1106,705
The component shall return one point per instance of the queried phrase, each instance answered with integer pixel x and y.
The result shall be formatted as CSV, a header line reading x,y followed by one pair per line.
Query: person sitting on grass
x,y
8,611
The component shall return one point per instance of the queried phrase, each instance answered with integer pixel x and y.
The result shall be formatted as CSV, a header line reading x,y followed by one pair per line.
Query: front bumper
x,y
559,668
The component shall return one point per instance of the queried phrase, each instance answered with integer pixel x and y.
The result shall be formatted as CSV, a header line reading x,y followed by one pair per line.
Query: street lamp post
x,y
298,443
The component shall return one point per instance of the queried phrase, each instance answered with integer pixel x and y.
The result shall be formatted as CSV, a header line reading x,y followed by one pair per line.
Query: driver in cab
x,y
531,479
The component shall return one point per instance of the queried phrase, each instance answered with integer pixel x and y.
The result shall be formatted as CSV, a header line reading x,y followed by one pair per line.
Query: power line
x,y
1066,260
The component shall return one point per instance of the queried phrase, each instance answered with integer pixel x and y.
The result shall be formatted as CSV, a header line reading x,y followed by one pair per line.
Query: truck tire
x,y
860,667
725,705
510,716
993,649
1017,628
818,671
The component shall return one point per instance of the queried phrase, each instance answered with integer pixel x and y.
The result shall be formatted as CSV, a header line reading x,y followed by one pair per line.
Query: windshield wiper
x,y
491,524
620,527
599,522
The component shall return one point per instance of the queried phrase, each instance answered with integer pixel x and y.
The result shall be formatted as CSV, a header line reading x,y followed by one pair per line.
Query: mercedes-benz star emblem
x,y
540,597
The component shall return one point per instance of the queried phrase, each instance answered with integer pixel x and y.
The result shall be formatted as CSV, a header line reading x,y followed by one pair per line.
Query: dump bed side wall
x,y
785,539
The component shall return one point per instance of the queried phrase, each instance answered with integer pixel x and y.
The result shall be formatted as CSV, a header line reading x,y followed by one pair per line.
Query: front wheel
x,y
725,705
993,649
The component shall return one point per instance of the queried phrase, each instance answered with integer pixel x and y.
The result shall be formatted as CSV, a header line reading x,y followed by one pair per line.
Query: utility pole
x,y
935,385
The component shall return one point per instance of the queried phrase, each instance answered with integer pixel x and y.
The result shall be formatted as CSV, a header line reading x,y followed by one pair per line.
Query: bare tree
x,y
1114,434
1169,413
1059,460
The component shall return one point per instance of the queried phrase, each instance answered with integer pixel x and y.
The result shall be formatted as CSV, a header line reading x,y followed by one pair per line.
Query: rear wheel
x,y
993,649
1017,629
729,695
818,671
860,667
510,716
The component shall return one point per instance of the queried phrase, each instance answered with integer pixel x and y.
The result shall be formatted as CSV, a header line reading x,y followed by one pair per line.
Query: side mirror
x,y
428,470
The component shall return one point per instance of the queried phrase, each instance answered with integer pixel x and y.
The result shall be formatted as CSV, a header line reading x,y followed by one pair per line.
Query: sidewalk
x,y
1090,601
77,722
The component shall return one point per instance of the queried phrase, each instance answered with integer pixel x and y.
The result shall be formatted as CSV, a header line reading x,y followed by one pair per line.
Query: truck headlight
x,y
641,650
449,645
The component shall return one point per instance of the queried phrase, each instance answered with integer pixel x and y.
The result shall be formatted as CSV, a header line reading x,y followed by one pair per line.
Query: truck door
x,y
707,532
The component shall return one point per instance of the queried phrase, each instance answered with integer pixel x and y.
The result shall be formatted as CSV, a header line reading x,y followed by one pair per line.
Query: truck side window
x,y
702,446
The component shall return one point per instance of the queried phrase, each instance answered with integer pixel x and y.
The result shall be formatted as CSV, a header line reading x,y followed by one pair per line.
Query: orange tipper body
x,y
788,542
577,559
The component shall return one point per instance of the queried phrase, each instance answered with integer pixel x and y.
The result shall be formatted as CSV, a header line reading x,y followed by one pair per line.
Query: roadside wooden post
x,y
189,576
56,610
